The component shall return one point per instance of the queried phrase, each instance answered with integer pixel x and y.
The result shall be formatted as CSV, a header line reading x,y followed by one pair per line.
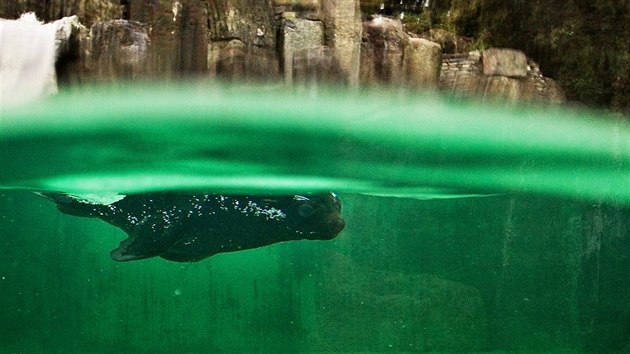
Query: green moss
x,y
417,22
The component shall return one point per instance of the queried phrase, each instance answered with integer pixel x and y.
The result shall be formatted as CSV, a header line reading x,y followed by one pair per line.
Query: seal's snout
x,y
338,225
335,222
336,202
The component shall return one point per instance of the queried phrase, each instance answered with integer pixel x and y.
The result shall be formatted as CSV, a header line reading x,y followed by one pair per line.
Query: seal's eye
x,y
305,210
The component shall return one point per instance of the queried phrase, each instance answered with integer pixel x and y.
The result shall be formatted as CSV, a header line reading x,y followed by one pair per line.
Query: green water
x,y
469,228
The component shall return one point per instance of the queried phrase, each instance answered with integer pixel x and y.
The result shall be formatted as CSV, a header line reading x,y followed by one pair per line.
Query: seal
x,y
185,227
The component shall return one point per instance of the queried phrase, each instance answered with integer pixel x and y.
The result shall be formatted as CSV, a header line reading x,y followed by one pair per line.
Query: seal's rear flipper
x,y
70,205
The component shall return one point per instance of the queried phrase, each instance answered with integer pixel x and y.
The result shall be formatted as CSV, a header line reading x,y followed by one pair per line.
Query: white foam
x,y
98,198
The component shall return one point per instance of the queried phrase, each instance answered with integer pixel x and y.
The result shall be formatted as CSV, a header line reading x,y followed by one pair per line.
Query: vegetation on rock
x,y
584,45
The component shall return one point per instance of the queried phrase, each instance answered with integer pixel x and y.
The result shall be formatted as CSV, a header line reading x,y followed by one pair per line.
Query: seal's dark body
x,y
185,227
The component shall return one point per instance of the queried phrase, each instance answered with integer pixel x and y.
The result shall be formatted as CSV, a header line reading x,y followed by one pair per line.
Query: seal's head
x,y
315,216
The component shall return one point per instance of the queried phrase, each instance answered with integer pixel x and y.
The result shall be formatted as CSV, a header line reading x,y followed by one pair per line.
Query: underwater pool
x,y
468,227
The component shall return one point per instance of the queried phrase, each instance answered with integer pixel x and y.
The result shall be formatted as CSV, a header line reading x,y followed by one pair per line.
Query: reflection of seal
x,y
189,227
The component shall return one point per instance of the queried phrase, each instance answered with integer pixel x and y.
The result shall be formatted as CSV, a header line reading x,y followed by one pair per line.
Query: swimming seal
x,y
185,227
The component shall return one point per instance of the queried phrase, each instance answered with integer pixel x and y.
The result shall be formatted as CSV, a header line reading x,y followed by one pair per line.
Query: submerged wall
x,y
470,274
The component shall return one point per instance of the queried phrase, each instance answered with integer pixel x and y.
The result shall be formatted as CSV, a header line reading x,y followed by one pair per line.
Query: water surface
x,y
137,139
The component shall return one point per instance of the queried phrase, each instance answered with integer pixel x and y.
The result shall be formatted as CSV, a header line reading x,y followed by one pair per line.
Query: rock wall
x,y
118,49
291,41
390,56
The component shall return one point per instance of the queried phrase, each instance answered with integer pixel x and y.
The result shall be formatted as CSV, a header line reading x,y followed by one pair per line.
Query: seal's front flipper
x,y
122,254
190,249
143,245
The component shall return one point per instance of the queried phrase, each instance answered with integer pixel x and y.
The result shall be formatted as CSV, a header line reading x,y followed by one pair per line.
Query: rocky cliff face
x,y
584,46
291,41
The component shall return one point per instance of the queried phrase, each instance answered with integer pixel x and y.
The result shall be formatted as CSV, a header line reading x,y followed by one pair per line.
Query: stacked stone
x,y
462,62
548,89
497,73
459,71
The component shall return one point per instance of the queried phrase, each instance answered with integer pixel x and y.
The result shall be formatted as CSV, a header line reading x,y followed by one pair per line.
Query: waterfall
x,y
27,60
